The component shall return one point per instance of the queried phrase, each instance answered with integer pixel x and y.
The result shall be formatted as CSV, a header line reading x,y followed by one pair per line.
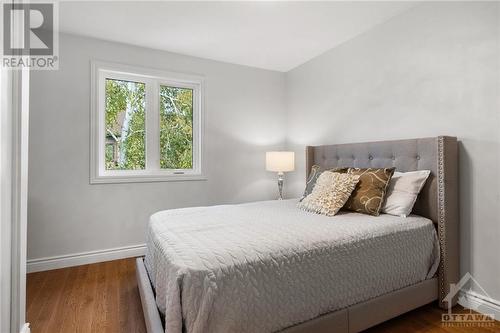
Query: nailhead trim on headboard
x,y
441,221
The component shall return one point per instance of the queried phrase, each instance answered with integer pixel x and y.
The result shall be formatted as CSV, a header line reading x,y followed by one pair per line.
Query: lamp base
x,y
280,185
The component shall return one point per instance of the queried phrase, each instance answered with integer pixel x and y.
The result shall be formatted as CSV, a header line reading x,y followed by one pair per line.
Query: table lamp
x,y
280,162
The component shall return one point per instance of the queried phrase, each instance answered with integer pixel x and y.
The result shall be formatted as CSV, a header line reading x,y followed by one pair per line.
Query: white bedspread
x,y
264,266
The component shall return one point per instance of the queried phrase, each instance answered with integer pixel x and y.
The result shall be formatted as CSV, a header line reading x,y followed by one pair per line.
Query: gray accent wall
x,y
433,70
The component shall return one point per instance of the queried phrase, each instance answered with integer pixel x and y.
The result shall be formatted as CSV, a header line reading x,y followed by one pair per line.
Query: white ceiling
x,y
271,35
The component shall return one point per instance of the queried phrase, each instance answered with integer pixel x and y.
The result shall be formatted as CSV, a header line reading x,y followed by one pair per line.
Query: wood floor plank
x,y
104,297
112,308
99,310
85,308
69,299
33,290
50,296
130,302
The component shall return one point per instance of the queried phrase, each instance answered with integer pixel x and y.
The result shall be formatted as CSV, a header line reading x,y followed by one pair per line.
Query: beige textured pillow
x,y
316,171
330,193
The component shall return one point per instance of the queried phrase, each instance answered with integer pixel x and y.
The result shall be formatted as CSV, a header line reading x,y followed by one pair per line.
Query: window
x,y
146,125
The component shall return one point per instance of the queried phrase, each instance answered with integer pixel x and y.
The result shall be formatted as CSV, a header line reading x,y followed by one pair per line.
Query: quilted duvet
x,y
265,266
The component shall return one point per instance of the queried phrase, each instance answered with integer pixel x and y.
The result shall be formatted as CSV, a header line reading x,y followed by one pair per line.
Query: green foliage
x,y
126,145
176,128
109,152
125,103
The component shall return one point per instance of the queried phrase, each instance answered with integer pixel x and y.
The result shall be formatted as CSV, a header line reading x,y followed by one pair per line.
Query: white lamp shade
x,y
280,161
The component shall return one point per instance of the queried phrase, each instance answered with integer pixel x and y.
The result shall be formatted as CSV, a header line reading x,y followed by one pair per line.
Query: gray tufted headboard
x,y
438,199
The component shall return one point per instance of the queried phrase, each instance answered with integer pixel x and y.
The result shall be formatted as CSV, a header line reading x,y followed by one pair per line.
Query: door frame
x,y
14,135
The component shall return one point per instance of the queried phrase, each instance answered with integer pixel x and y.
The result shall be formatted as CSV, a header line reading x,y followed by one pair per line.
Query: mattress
x,y
265,266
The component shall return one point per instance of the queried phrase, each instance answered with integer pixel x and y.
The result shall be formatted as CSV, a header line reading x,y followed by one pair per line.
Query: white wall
x,y
244,118
433,70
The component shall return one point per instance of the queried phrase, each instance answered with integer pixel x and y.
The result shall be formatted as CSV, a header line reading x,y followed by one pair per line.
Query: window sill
x,y
145,179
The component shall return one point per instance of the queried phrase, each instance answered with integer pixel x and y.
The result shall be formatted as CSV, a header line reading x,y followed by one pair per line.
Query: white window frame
x,y
152,79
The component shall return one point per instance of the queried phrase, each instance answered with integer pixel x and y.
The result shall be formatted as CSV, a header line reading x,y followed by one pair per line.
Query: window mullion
x,y
152,126
101,125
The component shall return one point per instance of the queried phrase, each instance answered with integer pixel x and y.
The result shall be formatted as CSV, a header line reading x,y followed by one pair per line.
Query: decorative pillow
x,y
402,192
316,171
330,193
369,195
311,180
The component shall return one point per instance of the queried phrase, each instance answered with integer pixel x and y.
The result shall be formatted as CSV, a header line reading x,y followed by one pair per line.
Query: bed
x,y
268,266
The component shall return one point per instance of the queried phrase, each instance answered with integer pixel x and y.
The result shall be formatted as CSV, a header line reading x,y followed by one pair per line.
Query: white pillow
x,y
402,192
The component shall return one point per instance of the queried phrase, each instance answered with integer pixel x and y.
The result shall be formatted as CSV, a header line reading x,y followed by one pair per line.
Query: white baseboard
x,y
83,258
479,303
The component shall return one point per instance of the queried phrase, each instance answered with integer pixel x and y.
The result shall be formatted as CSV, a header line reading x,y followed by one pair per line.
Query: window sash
x,y
102,110
152,79
196,119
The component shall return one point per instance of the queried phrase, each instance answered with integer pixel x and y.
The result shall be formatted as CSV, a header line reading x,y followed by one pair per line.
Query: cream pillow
x,y
330,193
403,191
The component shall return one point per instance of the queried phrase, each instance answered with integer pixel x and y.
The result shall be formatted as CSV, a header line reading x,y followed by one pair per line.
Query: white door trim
x,y
20,131
5,198
14,127
13,210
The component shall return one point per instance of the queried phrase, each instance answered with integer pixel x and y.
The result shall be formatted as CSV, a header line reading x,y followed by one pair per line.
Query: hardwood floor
x,y
100,297
104,297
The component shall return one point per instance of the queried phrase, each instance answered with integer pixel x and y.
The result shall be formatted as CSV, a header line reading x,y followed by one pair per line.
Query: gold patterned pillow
x,y
330,193
369,194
